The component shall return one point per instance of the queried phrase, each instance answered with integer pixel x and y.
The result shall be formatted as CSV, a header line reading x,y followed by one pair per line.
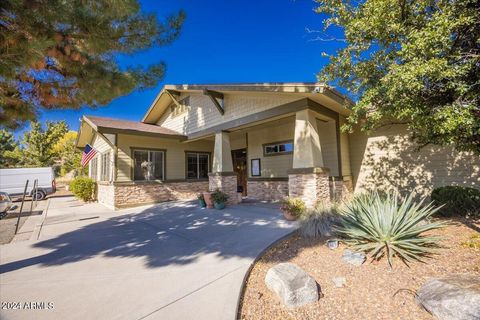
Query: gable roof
x,y
100,123
303,89
91,124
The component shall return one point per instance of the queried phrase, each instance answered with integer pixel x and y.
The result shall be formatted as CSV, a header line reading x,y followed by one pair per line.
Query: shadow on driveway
x,y
167,234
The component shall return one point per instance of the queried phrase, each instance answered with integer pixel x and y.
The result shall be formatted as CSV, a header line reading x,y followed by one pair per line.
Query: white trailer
x,y
12,181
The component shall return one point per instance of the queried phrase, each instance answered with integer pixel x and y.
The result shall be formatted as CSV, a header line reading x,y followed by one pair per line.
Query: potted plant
x,y
219,199
207,196
292,208
201,200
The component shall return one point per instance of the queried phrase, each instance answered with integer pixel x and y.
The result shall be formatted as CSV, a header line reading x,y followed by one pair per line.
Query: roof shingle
x,y
101,122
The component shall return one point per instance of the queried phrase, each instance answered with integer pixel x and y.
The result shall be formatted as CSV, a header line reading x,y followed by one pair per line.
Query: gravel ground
x,y
373,290
9,221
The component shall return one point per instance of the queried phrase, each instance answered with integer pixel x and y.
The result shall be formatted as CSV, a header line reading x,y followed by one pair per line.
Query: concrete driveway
x,y
168,261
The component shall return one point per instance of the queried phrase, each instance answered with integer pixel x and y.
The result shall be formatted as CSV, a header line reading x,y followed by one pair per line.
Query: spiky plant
x,y
387,225
320,220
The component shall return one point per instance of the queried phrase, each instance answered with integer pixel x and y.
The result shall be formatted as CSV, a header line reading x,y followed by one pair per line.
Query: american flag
x,y
88,153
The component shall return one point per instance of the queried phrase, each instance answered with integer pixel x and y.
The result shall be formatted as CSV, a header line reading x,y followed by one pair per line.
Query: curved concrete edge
x,y
252,264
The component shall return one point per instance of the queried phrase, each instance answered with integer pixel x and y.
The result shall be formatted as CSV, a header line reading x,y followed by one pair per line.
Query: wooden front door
x,y
239,158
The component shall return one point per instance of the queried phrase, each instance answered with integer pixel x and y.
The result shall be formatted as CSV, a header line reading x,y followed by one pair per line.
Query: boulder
x,y
453,297
292,285
355,258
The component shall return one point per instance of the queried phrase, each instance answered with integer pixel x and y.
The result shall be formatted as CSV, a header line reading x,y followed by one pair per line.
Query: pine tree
x,y
7,145
39,144
62,54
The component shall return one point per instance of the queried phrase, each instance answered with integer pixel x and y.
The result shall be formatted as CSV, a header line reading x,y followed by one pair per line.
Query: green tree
x,y
7,145
68,155
410,62
63,54
39,143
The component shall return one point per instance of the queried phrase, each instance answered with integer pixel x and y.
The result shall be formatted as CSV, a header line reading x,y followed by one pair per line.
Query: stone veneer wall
x,y
106,194
310,184
341,189
225,182
139,193
267,190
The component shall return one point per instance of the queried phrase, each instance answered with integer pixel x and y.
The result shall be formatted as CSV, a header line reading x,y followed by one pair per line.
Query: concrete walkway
x,y
169,261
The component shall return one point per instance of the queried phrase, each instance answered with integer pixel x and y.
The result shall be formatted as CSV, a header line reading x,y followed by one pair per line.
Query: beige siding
x,y
203,114
328,143
345,150
272,166
387,159
175,154
101,146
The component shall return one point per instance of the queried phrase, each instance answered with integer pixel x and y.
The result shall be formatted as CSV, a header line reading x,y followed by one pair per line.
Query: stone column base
x,y
225,182
341,188
309,184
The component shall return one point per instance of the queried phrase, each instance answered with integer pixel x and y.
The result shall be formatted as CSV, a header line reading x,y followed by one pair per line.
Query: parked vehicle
x,y
5,202
12,181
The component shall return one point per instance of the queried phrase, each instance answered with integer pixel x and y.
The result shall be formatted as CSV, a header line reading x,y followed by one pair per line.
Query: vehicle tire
x,y
39,195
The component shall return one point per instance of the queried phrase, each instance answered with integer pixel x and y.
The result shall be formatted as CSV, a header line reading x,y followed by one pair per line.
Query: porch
x,y
301,154
292,150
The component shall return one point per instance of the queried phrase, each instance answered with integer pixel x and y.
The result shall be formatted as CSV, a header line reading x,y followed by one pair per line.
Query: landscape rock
x,y
292,284
453,297
339,282
355,258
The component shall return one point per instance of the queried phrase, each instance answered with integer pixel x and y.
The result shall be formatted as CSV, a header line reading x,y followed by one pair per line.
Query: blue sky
x,y
224,42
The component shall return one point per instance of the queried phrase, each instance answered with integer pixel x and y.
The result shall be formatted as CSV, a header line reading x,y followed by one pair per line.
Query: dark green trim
x,y
309,170
210,160
284,109
214,95
132,168
173,92
141,182
142,133
278,153
259,167
222,174
268,179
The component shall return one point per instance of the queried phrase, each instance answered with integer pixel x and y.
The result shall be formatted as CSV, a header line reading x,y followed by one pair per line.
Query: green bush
x,y
320,221
389,226
295,206
83,188
457,200
219,197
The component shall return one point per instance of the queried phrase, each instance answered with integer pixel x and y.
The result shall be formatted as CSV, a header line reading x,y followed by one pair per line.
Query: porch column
x,y
308,179
222,176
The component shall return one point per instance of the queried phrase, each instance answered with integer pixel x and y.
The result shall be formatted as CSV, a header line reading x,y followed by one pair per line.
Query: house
x,y
266,141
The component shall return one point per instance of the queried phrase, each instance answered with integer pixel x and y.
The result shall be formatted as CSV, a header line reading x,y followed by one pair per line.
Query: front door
x,y
239,158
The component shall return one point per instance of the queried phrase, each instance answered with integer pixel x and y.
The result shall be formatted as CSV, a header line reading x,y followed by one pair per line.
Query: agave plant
x,y
386,225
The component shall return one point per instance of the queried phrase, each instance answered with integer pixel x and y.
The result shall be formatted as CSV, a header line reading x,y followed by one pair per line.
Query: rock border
x,y
250,268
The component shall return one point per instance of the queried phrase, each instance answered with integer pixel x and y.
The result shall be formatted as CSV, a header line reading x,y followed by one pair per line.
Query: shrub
x,y
295,206
319,221
83,188
457,200
219,197
385,225
472,242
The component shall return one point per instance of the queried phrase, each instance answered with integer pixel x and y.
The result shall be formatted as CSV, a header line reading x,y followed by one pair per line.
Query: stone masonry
x,y
106,194
341,189
309,184
225,182
139,193
267,190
